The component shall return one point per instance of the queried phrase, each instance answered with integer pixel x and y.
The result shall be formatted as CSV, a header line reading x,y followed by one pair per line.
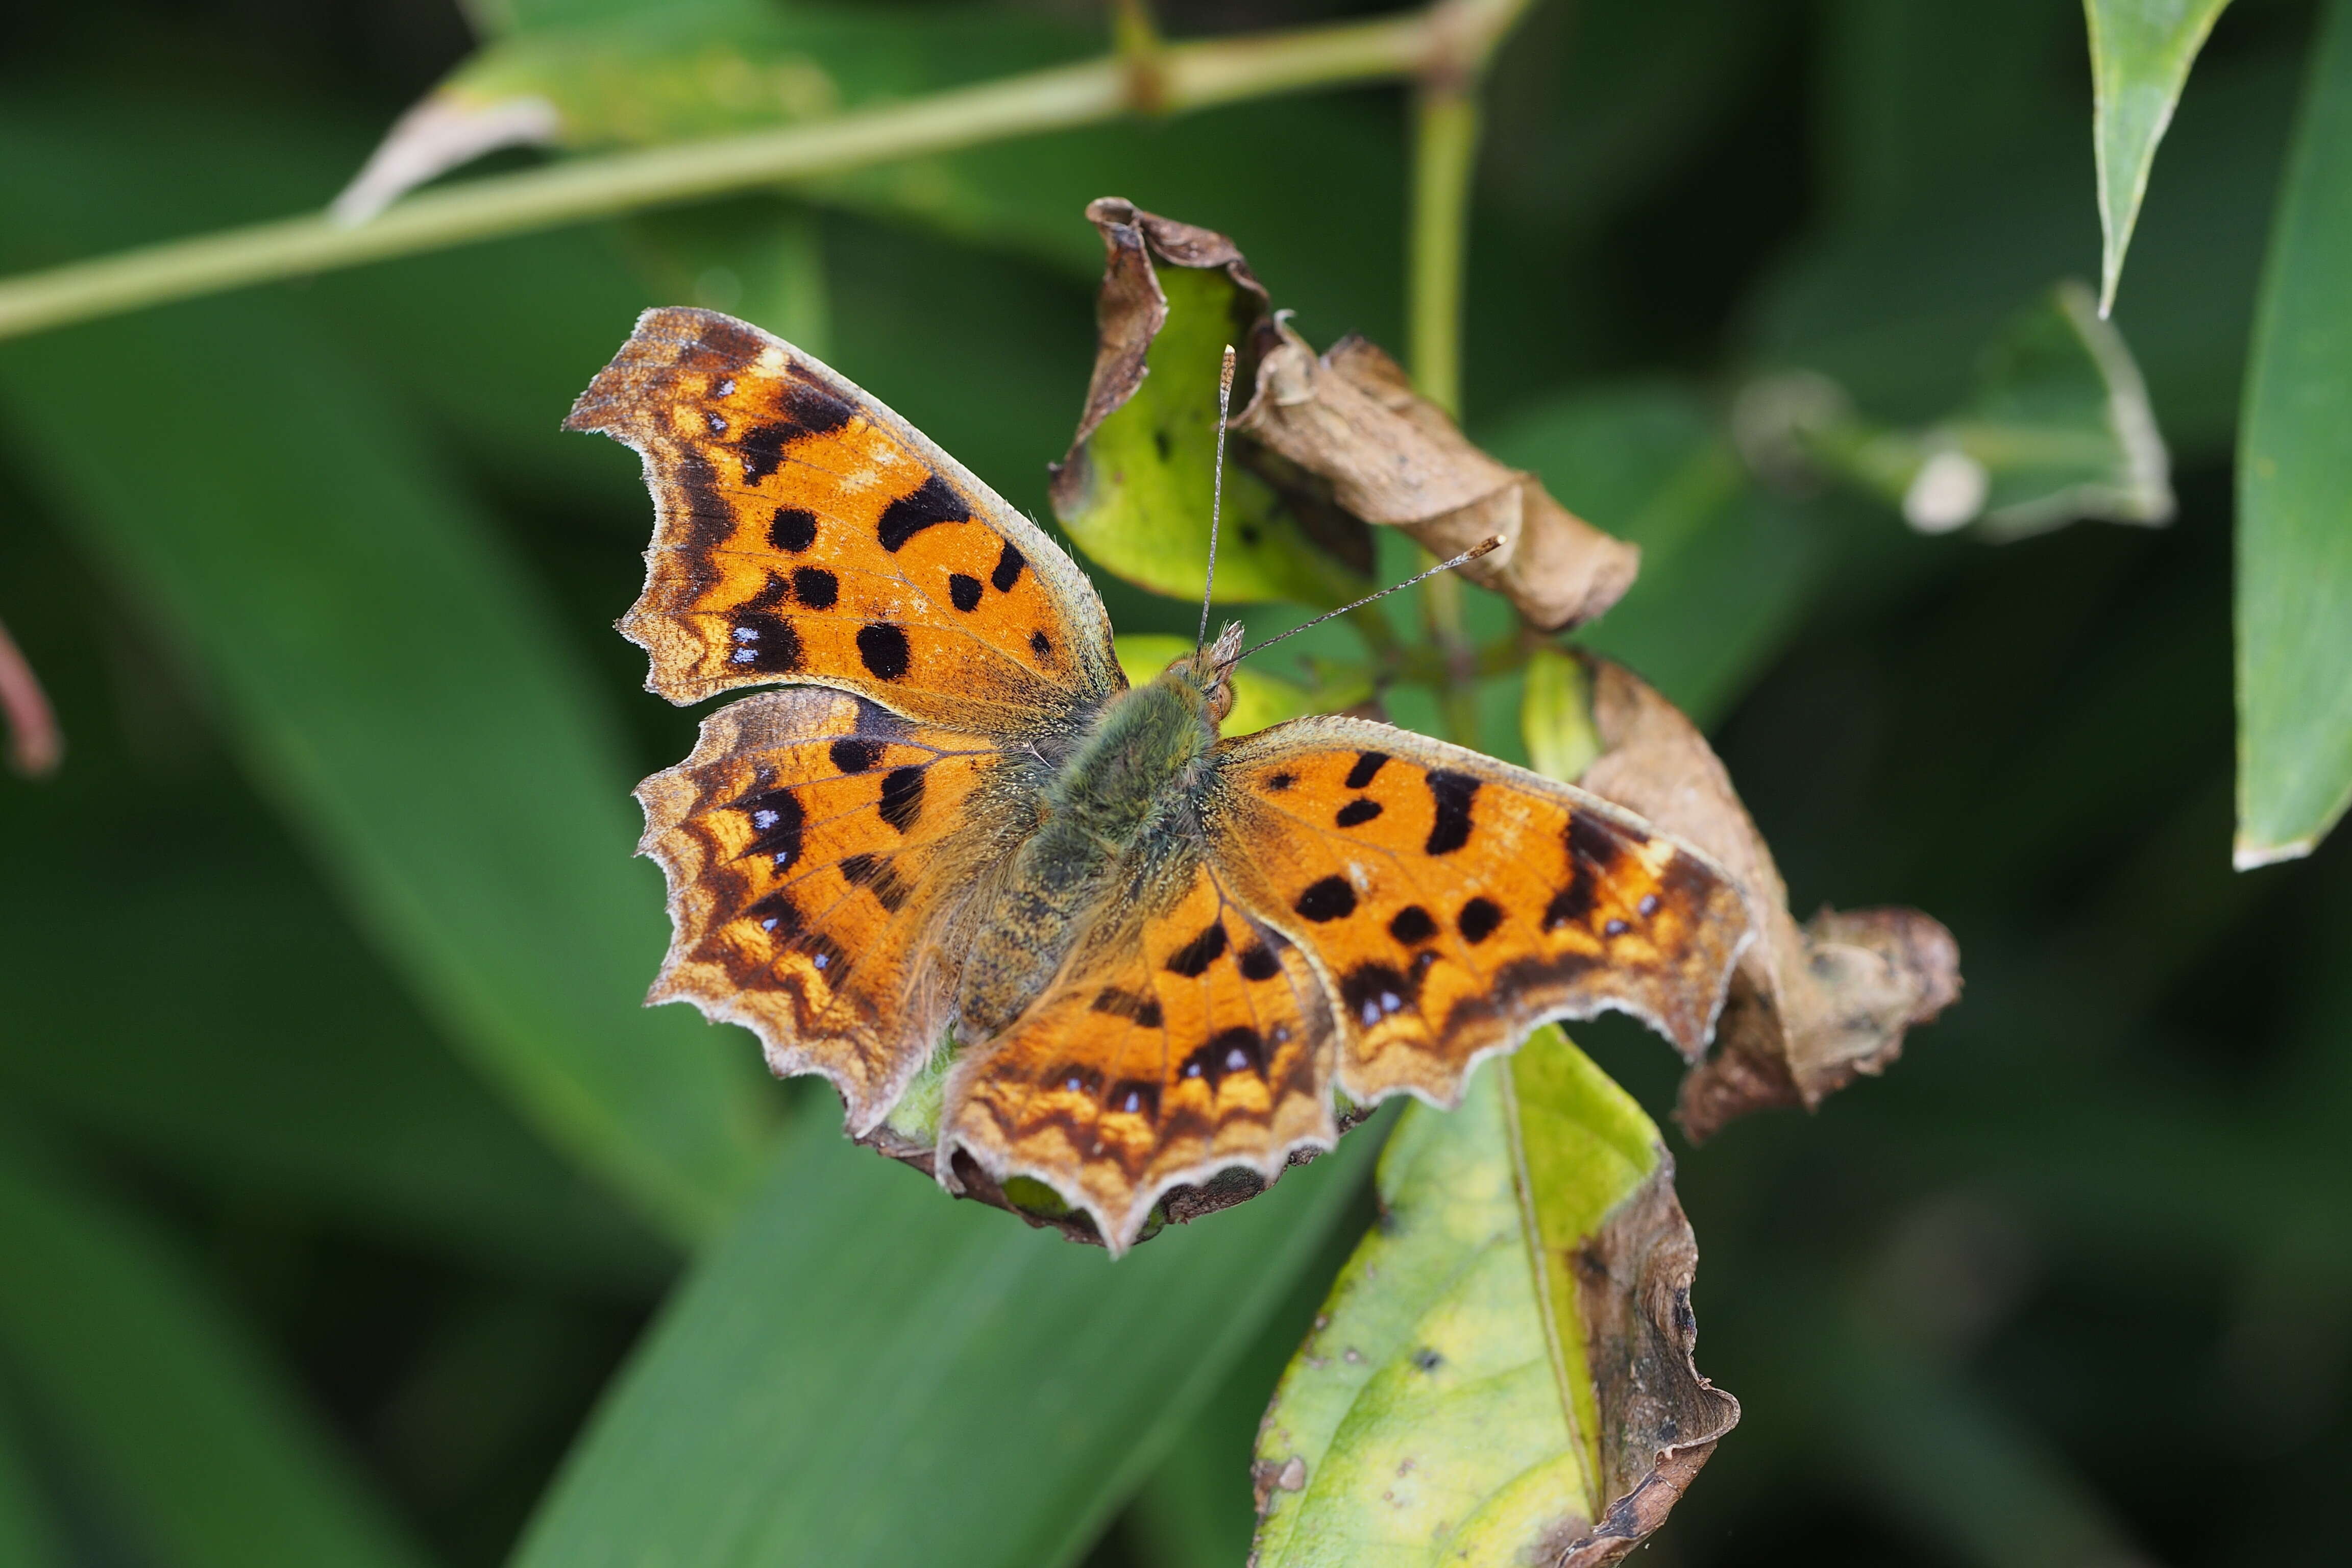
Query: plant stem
x,y
1187,76
1445,148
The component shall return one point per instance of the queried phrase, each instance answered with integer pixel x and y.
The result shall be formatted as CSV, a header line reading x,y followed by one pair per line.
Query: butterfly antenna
x,y
1217,493
1475,551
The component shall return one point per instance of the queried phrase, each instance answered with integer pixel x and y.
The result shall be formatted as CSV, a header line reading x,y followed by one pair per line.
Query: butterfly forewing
x,y
804,533
823,854
1453,901
1185,1039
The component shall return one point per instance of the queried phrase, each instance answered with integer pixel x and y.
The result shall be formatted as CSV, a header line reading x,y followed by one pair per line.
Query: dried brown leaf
x,y
1351,419
1812,1007
1660,1420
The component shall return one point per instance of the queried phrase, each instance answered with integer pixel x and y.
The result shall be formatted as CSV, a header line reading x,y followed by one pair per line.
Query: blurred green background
x,y
340,1176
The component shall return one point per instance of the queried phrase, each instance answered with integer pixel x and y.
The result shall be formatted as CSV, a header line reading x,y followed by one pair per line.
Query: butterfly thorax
x,y
1122,806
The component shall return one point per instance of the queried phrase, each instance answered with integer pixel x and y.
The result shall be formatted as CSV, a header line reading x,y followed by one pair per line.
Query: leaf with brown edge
x,y
1502,1373
1351,421
1134,489
1813,1006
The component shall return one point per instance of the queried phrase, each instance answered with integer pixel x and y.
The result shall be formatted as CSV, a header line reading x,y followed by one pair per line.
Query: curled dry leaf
x,y
1350,420
1134,489
1503,1373
1812,1007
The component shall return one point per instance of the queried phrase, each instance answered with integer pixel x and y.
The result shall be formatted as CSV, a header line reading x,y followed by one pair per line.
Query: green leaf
x,y
2058,428
2140,54
394,684
1556,716
202,1450
863,1372
297,1071
29,1538
1492,1378
1135,492
2295,491
759,257
1259,700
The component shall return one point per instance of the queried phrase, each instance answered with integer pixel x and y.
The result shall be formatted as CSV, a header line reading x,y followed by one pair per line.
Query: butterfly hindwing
x,y
821,854
1184,1038
1453,901
804,533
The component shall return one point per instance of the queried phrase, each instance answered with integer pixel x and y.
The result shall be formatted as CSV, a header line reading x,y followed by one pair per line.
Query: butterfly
x,y
1159,953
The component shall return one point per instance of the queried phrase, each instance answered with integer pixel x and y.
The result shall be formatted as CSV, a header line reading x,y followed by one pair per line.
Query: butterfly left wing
x,y
1184,1038
822,856
804,533
1452,902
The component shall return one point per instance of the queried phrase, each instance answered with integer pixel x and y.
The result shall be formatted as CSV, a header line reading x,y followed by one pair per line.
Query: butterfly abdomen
x,y
1131,786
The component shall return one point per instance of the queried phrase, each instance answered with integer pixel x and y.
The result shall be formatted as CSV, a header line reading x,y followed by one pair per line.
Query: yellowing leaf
x,y
1502,1374
1258,699
1135,489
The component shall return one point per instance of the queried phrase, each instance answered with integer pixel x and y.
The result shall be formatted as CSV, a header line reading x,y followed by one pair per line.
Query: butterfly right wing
x,y
822,854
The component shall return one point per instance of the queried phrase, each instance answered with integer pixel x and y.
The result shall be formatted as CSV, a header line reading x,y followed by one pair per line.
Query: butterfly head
x,y
1208,671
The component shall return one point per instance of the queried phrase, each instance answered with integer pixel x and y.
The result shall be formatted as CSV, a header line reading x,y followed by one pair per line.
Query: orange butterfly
x,y
1159,952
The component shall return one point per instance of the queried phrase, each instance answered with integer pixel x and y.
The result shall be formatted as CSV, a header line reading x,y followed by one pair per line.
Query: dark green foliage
x,y
339,1171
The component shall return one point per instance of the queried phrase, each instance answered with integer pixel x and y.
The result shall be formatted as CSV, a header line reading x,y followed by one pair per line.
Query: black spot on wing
x,y
964,592
1356,813
762,450
932,501
1238,1049
1367,768
1593,842
1572,905
902,797
1450,794
1197,954
1277,783
884,650
815,587
802,409
1478,920
1122,1004
1411,924
854,756
874,873
1259,963
810,408
1373,991
1328,900
776,819
1008,569
764,644
793,529
777,915
1041,644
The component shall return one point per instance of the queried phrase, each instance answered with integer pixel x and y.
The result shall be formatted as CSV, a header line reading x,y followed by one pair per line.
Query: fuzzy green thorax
x,y
1124,799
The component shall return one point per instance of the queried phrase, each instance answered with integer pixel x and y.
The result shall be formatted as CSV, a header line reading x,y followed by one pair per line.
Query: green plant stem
x,y
1445,149
1451,36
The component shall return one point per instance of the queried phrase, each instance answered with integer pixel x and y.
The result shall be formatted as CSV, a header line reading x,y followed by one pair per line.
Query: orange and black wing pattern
x,y
1183,1039
805,533
1452,902
822,854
